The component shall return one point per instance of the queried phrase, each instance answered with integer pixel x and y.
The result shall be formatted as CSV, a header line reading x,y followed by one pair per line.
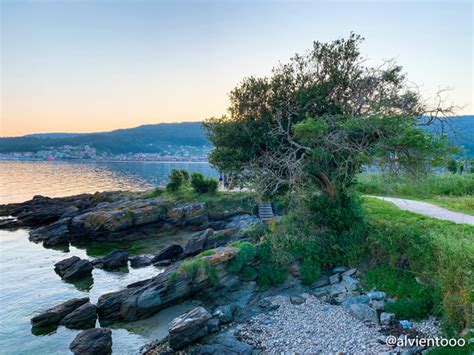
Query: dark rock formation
x,y
92,342
54,315
113,260
197,241
83,317
150,296
140,261
172,252
41,210
73,268
188,327
121,220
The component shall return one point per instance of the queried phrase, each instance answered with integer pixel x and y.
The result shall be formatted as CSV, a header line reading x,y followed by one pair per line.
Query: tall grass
x,y
423,186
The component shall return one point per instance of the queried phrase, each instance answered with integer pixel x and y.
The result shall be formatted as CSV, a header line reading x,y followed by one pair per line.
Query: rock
x,y
336,289
320,291
242,221
140,261
54,315
297,300
363,312
82,317
171,252
386,318
349,283
163,263
362,299
56,233
41,211
342,297
376,295
197,241
188,327
322,281
150,296
213,325
73,268
378,305
349,272
225,347
92,342
339,269
334,279
225,314
113,260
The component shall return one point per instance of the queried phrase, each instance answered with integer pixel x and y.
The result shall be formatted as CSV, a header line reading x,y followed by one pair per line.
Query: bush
x,y
177,179
201,184
452,166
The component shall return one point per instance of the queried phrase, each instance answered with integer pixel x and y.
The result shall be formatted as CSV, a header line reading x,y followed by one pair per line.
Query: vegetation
x,y
318,119
202,185
178,178
455,192
439,254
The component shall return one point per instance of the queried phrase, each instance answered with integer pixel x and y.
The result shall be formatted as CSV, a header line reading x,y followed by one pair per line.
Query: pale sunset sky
x,y
86,66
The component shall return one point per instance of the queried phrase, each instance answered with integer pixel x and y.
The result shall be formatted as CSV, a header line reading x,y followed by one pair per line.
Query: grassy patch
x,y
439,253
414,301
454,192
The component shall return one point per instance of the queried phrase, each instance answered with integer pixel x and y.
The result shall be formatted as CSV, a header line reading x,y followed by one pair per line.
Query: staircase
x,y
265,211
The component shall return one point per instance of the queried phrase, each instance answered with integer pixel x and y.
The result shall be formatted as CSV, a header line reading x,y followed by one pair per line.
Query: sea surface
x,y
28,282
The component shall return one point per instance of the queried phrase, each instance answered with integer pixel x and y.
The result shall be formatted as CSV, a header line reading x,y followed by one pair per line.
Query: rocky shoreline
x,y
233,315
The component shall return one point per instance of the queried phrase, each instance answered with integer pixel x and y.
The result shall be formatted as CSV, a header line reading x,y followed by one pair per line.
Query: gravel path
x,y
429,209
311,327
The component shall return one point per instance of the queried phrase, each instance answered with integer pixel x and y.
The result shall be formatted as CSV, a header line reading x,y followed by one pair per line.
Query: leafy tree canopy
x,y
319,118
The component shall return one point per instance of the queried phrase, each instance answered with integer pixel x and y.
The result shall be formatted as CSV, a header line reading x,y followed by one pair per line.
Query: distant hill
x,y
144,139
464,133
155,137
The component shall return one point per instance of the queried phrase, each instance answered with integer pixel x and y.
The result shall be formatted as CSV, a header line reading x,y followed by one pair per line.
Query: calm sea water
x,y
28,282
21,180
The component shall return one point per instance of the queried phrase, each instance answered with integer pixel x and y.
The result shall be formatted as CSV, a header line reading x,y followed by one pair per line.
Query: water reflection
x,y
21,180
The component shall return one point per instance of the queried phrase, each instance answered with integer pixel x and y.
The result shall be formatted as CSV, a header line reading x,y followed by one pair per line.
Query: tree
x,y
321,117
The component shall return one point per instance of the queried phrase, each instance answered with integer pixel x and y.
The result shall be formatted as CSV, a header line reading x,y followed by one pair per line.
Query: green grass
x,y
454,192
439,253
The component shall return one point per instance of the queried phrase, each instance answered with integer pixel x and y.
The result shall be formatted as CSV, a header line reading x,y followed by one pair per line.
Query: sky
x,y
88,66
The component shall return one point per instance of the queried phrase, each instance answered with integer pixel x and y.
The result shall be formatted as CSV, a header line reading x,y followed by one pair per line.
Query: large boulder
x,y
197,241
92,342
188,327
171,252
73,268
83,317
113,260
144,299
54,315
140,261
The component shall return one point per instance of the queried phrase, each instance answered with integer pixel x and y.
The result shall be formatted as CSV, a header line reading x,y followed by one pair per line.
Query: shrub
x,y
201,184
452,166
247,252
177,180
